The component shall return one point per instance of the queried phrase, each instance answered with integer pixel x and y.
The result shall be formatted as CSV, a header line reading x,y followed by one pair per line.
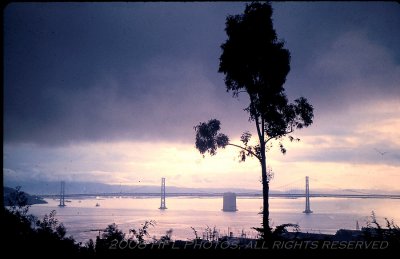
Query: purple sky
x,y
109,91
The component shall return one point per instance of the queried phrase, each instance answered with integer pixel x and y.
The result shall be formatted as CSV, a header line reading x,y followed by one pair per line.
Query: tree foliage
x,y
207,137
112,232
50,226
24,232
255,62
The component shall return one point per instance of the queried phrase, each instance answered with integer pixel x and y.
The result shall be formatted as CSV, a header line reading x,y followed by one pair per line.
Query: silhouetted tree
x,y
25,233
167,238
143,232
109,240
256,63
50,224
90,248
112,232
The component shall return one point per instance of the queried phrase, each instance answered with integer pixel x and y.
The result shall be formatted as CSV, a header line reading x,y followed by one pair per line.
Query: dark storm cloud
x,y
134,71
111,71
335,44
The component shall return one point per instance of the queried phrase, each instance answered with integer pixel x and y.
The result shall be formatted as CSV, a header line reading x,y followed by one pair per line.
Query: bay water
x,y
84,220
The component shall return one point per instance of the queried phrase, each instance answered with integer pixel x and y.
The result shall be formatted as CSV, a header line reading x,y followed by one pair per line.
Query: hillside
x,y
31,199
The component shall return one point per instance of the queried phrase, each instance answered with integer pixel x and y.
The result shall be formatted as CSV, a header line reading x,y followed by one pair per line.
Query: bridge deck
x,y
272,195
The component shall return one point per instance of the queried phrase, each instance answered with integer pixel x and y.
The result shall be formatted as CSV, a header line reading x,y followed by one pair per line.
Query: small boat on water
x,y
97,204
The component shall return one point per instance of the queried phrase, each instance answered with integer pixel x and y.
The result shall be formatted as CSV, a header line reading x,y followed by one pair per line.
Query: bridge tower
x,y
307,210
162,206
62,195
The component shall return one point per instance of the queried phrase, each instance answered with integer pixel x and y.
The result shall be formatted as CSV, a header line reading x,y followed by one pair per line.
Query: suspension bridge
x,y
295,189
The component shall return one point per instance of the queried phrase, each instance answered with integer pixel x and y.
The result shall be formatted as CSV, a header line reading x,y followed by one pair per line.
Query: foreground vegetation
x,y
26,235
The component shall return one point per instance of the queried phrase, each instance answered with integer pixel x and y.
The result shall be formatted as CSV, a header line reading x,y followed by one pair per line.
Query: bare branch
x,y
280,135
238,92
260,136
245,149
262,128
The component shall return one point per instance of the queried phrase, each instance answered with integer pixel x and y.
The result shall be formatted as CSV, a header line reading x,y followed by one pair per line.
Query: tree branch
x,y
279,135
245,149
262,128
260,136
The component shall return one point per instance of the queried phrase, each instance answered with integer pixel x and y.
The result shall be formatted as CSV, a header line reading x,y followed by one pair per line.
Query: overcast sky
x,y
110,92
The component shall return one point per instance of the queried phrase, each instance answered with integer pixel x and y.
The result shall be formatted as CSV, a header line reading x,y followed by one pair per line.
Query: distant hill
x,y
53,188
31,199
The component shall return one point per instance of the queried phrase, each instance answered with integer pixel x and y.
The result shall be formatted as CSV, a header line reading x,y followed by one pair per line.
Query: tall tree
x,y
256,63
